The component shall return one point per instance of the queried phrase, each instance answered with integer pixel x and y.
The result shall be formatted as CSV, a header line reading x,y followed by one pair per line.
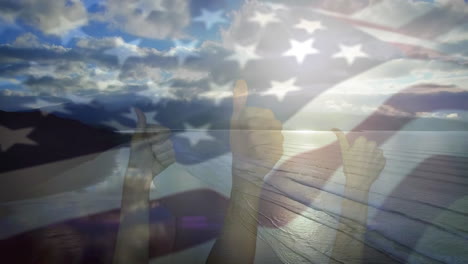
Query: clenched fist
x,y
256,139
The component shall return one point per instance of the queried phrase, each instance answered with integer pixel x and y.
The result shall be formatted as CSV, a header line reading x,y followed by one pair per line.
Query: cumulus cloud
x,y
55,17
89,66
155,19
27,40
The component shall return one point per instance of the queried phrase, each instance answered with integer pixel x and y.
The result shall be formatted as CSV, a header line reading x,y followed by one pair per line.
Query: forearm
x,y
133,235
349,242
237,241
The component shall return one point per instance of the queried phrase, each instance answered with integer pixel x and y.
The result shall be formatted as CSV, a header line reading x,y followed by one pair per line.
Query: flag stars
x,y
11,137
184,50
210,18
218,92
350,53
280,89
310,26
243,54
124,50
197,134
300,50
150,116
264,18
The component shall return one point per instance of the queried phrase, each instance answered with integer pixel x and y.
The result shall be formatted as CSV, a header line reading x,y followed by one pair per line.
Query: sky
x,y
106,52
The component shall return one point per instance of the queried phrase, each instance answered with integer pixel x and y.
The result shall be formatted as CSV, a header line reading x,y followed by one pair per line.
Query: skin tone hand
x,y
362,164
256,145
151,152
256,140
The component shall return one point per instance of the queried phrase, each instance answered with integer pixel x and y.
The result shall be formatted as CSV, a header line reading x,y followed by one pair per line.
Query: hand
x,y
362,162
151,149
256,139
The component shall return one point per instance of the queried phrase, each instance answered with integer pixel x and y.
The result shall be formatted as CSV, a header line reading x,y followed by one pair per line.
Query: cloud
x,y
55,17
27,40
452,116
157,19
458,34
442,115
88,67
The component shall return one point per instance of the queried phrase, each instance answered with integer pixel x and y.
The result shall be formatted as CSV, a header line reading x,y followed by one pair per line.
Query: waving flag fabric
x,y
394,72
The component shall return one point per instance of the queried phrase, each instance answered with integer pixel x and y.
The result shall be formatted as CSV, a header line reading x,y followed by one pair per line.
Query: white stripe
x,y
394,13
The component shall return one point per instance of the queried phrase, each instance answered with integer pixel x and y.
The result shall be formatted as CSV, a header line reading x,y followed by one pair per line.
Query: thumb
x,y
141,119
344,144
241,91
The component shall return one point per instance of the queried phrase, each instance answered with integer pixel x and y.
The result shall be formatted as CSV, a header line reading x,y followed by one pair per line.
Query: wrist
x,y
137,181
243,186
358,194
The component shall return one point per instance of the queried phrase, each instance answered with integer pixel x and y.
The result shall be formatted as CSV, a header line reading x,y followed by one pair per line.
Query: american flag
x,y
392,71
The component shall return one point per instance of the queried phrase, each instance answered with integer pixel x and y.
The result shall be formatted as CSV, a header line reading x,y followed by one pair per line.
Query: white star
x,y
149,115
76,33
350,53
156,91
184,50
125,50
280,89
301,49
210,18
264,19
243,54
218,92
132,116
196,134
310,26
10,137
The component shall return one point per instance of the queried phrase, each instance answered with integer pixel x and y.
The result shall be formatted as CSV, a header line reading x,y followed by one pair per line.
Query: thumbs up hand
x,y
151,148
256,139
362,162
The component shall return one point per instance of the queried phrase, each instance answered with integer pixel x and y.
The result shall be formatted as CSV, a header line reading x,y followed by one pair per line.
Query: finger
x,y
141,118
156,140
344,144
266,138
165,156
157,129
156,134
370,146
379,152
360,143
241,91
162,148
168,162
257,112
262,124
